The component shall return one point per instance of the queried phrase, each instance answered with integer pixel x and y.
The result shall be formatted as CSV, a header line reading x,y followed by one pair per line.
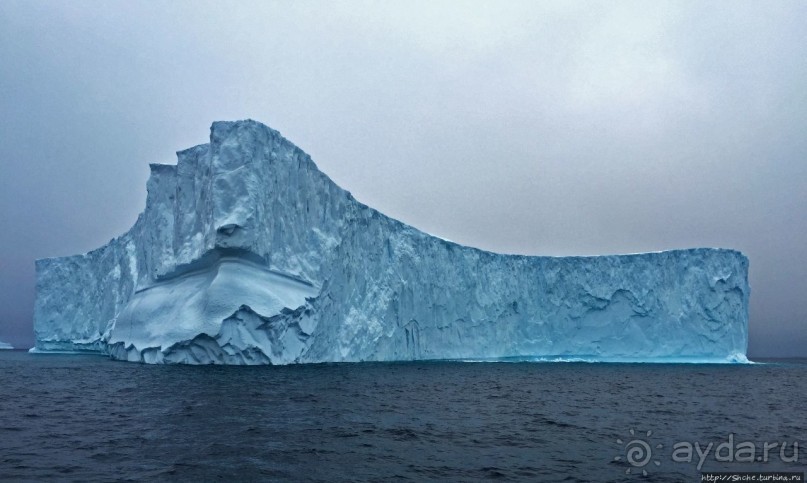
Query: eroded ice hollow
x,y
246,253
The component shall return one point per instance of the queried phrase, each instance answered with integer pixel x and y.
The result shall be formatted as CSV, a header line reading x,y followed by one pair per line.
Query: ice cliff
x,y
246,253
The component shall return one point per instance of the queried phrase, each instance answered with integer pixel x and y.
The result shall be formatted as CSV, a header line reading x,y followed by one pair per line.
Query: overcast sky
x,y
536,127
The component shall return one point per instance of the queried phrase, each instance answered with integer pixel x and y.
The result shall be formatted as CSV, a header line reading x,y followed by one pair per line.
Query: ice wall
x,y
246,253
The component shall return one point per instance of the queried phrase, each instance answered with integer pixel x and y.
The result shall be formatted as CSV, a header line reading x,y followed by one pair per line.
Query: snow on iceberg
x,y
246,253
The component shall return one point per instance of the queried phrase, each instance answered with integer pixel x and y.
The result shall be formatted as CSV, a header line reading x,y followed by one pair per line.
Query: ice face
x,y
5,345
247,254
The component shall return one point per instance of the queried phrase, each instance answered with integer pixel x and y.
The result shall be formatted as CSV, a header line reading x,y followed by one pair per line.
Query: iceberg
x,y
5,345
246,253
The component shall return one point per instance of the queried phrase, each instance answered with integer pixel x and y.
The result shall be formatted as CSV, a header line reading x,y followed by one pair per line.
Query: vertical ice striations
x,y
247,254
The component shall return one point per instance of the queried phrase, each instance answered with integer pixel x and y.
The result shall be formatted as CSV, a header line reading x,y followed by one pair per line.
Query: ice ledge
x,y
737,358
244,338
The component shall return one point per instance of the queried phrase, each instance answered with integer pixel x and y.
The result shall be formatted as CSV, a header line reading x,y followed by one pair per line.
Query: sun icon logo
x,y
638,452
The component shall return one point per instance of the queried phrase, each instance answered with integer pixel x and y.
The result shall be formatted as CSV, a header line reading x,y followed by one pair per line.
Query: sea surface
x,y
87,418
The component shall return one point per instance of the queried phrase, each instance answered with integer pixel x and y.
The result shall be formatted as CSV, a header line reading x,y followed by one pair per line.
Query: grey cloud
x,y
538,128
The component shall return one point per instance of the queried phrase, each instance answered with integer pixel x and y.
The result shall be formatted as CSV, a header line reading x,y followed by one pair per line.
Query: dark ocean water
x,y
86,418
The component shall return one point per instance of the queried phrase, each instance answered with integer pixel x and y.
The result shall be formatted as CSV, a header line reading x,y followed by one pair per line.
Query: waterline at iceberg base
x,y
246,253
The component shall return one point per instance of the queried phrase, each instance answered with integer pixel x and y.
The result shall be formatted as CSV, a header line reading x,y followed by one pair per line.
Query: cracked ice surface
x,y
246,253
